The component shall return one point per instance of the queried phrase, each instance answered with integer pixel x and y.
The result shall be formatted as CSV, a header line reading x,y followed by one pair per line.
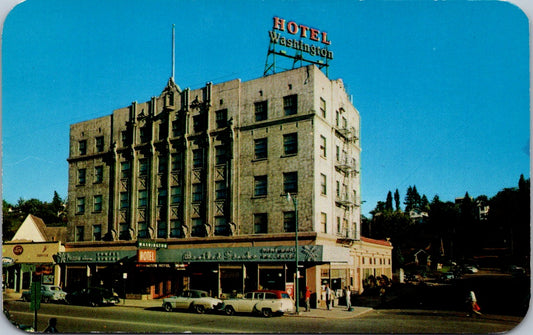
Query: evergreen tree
x,y
397,199
388,203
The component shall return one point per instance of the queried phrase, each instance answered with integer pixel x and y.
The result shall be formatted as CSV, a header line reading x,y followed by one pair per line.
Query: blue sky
x,y
442,87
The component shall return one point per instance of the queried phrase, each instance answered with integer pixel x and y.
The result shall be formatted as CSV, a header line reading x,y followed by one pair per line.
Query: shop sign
x,y
304,36
146,256
150,244
94,256
18,250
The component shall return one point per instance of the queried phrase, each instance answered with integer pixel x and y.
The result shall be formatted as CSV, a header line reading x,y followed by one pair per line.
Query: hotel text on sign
x,y
146,256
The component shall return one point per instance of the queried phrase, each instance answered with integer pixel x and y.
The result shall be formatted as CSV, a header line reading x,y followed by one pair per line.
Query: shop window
x,y
260,223
260,148
290,144
261,110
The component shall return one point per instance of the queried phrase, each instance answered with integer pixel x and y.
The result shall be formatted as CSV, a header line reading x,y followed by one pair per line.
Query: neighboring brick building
x,y
205,173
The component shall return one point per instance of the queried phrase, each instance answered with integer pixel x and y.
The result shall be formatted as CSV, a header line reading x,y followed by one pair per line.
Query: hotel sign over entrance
x,y
289,35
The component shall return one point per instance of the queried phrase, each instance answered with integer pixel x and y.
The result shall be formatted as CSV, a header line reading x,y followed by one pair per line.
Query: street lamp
x,y
296,292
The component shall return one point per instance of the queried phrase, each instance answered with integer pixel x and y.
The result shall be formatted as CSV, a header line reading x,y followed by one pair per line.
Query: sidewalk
x,y
337,312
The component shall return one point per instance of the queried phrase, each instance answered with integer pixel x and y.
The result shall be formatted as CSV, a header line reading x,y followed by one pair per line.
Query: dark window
x,y
79,233
162,197
290,144
163,163
161,229
221,118
323,146
220,189
97,232
197,158
176,194
197,192
261,148
177,161
290,182
261,110
144,134
98,174
289,221
177,128
142,230
81,176
124,233
80,205
175,228
124,170
198,228
124,200
290,104
323,184
82,147
198,123
163,130
260,186
97,203
221,226
260,223
323,107
143,166
99,144
143,198
221,154
125,137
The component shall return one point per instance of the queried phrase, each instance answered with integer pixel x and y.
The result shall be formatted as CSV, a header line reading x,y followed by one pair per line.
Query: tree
x,y
388,203
397,199
412,199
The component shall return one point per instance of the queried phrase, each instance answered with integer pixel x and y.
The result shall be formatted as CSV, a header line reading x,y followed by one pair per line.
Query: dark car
x,y
93,296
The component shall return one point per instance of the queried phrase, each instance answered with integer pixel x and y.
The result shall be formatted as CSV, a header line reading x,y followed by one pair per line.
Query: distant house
x,y
30,254
417,216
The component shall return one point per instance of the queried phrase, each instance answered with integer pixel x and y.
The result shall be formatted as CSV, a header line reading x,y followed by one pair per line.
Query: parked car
x,y
194,300
264,302
470,269
93,296
446,277
49,293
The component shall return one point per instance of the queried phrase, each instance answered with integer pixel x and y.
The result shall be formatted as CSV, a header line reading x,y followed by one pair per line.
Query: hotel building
x,y
197,188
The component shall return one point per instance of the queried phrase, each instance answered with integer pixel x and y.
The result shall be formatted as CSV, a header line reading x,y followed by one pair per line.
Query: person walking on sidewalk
x,y
307,299
328,296
348,295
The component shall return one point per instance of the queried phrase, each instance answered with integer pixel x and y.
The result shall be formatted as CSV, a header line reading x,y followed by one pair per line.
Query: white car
x,y
194,300
49,293
264,302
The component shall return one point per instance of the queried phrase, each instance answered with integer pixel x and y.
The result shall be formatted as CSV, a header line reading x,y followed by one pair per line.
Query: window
x,y
100,144
143,166
220,189
338,189
176,194
82,147
97,232
344,123
98,174
79,233
323,107
339,224
97,203
163,130
261,110
198,228
197,158
124,233
220,154
80,205
221,226
144,134
143,198
176,128
289,221
124,170
124,200
125,138
260,223
161,229
260,186
338,153
197,192
142,230
81,176
176,161
323,146
260,148
290,182
162,197
221,118
163,163
175,228
198,123
324,222
323,185
290,104
290,144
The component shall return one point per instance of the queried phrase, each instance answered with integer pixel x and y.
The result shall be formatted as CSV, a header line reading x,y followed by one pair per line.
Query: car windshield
x,y
285,296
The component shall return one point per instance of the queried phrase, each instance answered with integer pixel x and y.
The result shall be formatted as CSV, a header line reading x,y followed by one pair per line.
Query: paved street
x,y
149,317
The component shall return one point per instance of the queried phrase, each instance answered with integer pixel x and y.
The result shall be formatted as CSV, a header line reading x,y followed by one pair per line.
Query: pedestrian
x,y
348,295
52,323
328,296
472,304
307,299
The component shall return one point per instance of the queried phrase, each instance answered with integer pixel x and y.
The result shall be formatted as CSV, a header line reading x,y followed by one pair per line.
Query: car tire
x,y
200,309
168,307
93,304
229,310
266,312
